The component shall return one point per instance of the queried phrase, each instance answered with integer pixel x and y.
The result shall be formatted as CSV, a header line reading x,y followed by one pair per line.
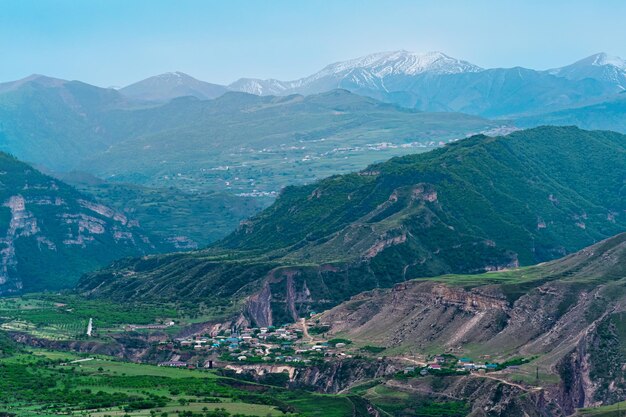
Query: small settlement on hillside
x,y
296,345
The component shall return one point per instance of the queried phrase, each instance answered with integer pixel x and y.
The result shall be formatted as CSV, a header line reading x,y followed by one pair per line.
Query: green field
x,y
48,383
65,317
613,410
405,404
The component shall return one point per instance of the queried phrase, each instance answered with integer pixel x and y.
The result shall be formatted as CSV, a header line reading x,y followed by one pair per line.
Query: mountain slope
x,y
604,115
567,314
369,313
164,87
479,204
50,234
54,122
186,220
497,93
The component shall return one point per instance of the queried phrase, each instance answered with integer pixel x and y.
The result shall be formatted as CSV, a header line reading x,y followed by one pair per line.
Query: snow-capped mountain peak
x,y
603,58
164,87
383,73
601,66
401,62
369,71
259,87
173,77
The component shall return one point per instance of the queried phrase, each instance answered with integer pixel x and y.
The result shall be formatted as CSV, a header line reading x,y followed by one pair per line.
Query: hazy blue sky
x,y
115,42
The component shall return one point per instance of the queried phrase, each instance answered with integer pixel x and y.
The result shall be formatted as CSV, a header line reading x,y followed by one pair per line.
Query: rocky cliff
x,y
50,234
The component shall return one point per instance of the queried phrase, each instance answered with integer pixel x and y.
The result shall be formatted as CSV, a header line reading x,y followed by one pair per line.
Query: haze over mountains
x,y
82,119
195,137
437,82
238,142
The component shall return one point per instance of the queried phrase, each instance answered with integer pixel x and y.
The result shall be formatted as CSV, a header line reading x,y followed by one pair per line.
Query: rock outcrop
x,y
50,234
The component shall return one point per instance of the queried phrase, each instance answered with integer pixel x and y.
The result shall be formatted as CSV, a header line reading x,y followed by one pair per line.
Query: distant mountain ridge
x,y
600,66
56,122
365,71
431,81
606,115
34,78
171,85
437,82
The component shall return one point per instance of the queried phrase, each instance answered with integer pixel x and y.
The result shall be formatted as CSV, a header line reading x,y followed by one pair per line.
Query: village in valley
x,y
288,344
181,341
304,343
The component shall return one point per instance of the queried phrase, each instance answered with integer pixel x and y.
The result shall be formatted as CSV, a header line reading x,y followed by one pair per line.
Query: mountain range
x,y
435,81
607,115
480,204
368,72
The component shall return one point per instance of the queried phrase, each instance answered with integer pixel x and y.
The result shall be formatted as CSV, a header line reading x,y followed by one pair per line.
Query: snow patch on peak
x,y
260,87
402,62
601,66
173,75
252,87
370,71
603,58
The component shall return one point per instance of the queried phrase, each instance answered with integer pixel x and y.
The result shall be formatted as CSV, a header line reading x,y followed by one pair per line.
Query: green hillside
x,y
607,114
484,203
54,122
50,233
479,187
188,220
